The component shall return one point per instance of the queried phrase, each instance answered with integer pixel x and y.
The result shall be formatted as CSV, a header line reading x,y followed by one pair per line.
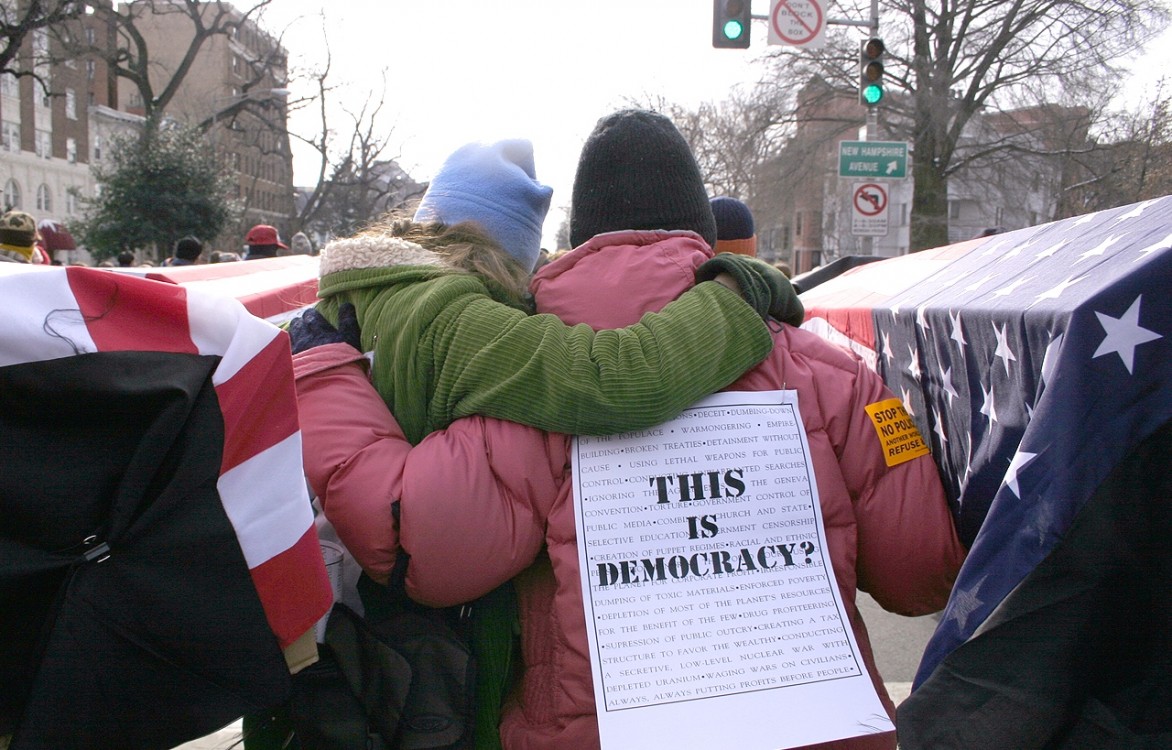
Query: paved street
x,y
898,641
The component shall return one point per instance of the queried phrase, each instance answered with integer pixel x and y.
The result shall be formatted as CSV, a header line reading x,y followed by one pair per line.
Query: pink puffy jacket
x,y
485,501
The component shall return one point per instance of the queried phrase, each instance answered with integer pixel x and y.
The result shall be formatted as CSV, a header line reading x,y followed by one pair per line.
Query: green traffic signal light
x,y
730,23
871,71
733,29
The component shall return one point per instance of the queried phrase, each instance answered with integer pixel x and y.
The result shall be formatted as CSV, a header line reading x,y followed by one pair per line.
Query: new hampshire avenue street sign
x,y
874,159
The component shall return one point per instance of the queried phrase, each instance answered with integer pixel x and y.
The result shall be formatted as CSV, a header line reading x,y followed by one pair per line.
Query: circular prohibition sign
x,y
870,199
797,22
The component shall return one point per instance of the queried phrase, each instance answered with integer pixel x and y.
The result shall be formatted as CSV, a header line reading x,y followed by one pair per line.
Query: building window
x,y
44,144
71,150
71,104
90,36
45,101
10,136
953,209
71,202
8,85
41,44
91,70
97,148
797,224
11,195
44,198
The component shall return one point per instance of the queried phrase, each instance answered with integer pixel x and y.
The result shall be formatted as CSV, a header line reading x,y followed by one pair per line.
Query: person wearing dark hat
x,y
186,253
735,230
18,238
441,299
263,241
645,229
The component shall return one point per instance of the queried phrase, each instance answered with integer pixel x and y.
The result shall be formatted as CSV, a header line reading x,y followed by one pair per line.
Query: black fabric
x,y
636,171
128,617
804,282
439,706
1079,655
401,677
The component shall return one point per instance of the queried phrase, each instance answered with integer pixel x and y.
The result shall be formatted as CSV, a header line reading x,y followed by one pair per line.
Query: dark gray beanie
x,y
637,172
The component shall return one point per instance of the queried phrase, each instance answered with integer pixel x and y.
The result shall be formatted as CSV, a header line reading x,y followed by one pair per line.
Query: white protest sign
x,y
712,611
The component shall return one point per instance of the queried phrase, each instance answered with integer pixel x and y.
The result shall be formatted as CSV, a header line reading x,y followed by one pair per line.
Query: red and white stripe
x,y
58,312
275,289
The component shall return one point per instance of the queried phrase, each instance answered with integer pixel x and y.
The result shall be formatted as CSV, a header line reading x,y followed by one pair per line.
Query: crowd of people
x,y
21,242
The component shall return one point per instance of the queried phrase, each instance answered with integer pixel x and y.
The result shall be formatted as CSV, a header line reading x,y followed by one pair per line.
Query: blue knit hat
x,y
495,186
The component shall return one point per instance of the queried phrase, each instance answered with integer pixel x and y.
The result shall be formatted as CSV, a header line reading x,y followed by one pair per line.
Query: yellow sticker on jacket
x,y
898,434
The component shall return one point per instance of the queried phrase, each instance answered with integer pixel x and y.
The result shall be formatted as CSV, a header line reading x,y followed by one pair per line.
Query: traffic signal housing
x,y
871,72
730,23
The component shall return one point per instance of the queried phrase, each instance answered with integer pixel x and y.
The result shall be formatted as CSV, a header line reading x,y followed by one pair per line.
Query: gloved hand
x,y
764,287
312,329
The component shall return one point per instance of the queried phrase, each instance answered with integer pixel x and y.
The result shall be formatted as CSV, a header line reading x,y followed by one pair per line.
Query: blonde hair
x,y
464,246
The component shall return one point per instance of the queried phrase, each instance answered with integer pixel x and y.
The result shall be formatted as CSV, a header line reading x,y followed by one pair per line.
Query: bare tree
x,y
972,56
949,62
129,55
18,22
356,180
1132,161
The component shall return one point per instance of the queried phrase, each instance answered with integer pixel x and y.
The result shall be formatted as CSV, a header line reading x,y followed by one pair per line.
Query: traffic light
x,y
871,72
730,23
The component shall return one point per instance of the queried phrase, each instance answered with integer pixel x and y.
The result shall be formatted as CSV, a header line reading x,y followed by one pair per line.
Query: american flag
x,y
1033,361
261,481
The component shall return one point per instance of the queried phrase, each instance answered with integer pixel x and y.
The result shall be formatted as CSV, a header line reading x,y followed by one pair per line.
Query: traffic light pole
x,y
872,122
866,244
872,26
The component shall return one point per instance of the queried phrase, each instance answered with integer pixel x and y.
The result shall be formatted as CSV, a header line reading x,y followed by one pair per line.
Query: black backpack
x,y
402,677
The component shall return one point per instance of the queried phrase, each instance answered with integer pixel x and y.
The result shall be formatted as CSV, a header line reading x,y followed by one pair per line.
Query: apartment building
x,y
56,125
47,142
234,90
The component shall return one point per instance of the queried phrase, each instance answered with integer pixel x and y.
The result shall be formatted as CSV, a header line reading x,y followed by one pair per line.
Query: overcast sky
x,y
483,70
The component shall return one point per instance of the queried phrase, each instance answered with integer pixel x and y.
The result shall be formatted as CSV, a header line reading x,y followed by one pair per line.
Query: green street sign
x,y
875,159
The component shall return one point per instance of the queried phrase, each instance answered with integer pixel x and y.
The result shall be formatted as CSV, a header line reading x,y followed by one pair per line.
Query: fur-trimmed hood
x,y
376,251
